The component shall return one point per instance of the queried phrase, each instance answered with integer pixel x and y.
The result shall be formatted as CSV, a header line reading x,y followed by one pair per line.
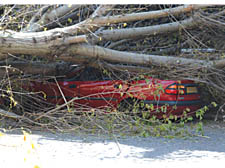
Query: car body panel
x,y
110,94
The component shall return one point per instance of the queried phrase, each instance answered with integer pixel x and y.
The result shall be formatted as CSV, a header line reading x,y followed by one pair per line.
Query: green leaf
x,y
190,118
214,104
70,20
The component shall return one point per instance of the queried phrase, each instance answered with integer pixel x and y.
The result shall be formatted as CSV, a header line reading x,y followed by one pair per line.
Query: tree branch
x,y
129,33
17,45
91,23
9,114
35,17
101,11
53,68
147,15
50,17
129,68
133,58
60,36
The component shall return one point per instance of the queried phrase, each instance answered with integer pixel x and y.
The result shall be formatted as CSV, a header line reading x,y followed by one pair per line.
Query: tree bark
x,y
130,33
90,24
58,43
133,58
18,67
36,16
18,45
41,41
146,15
50,17
59,36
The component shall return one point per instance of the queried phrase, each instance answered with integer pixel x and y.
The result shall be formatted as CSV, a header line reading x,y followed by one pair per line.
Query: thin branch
x,y
49,17
117,43
38,14
101,11
119,67
62,94
9,114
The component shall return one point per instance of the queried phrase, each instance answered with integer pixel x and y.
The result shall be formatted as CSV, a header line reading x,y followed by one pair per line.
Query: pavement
x,y
47,150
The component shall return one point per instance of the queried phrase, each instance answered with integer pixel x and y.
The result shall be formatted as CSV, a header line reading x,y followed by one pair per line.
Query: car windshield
x,y
95,74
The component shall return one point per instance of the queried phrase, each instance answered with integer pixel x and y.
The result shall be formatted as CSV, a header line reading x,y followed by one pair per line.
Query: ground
x,y
47,150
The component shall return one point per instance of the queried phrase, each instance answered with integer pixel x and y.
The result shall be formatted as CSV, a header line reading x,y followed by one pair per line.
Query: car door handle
x,y
72,86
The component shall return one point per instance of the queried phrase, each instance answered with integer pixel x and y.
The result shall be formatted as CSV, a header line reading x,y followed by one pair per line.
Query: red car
x,y
89,87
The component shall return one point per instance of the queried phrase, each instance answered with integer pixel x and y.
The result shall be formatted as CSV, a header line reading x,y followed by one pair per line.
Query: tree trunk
x,y
132,58
43,68
57,43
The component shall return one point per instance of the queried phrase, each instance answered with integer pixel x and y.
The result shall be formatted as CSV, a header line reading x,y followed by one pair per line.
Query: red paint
x,y
110,93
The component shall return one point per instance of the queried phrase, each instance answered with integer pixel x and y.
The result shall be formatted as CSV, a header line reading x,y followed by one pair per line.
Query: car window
x,y
95,74
91,74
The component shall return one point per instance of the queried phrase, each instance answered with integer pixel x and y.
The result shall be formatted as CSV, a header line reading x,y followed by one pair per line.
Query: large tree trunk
x,y
132,58
64,44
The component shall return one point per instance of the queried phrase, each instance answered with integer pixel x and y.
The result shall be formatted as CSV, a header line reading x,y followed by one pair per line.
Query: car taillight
x,y
182,89
176,89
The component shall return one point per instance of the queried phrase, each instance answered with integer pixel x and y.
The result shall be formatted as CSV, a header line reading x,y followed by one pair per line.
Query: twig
x,y
61,92
9,114
217,113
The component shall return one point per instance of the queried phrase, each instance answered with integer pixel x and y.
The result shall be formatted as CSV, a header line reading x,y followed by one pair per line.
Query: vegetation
x,y
38,41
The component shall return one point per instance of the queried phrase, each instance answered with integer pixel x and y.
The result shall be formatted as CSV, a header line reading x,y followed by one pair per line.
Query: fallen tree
x,y
48,39
61,43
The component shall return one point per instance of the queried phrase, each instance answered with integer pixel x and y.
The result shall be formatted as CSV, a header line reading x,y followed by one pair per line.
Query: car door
x,y
69,90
